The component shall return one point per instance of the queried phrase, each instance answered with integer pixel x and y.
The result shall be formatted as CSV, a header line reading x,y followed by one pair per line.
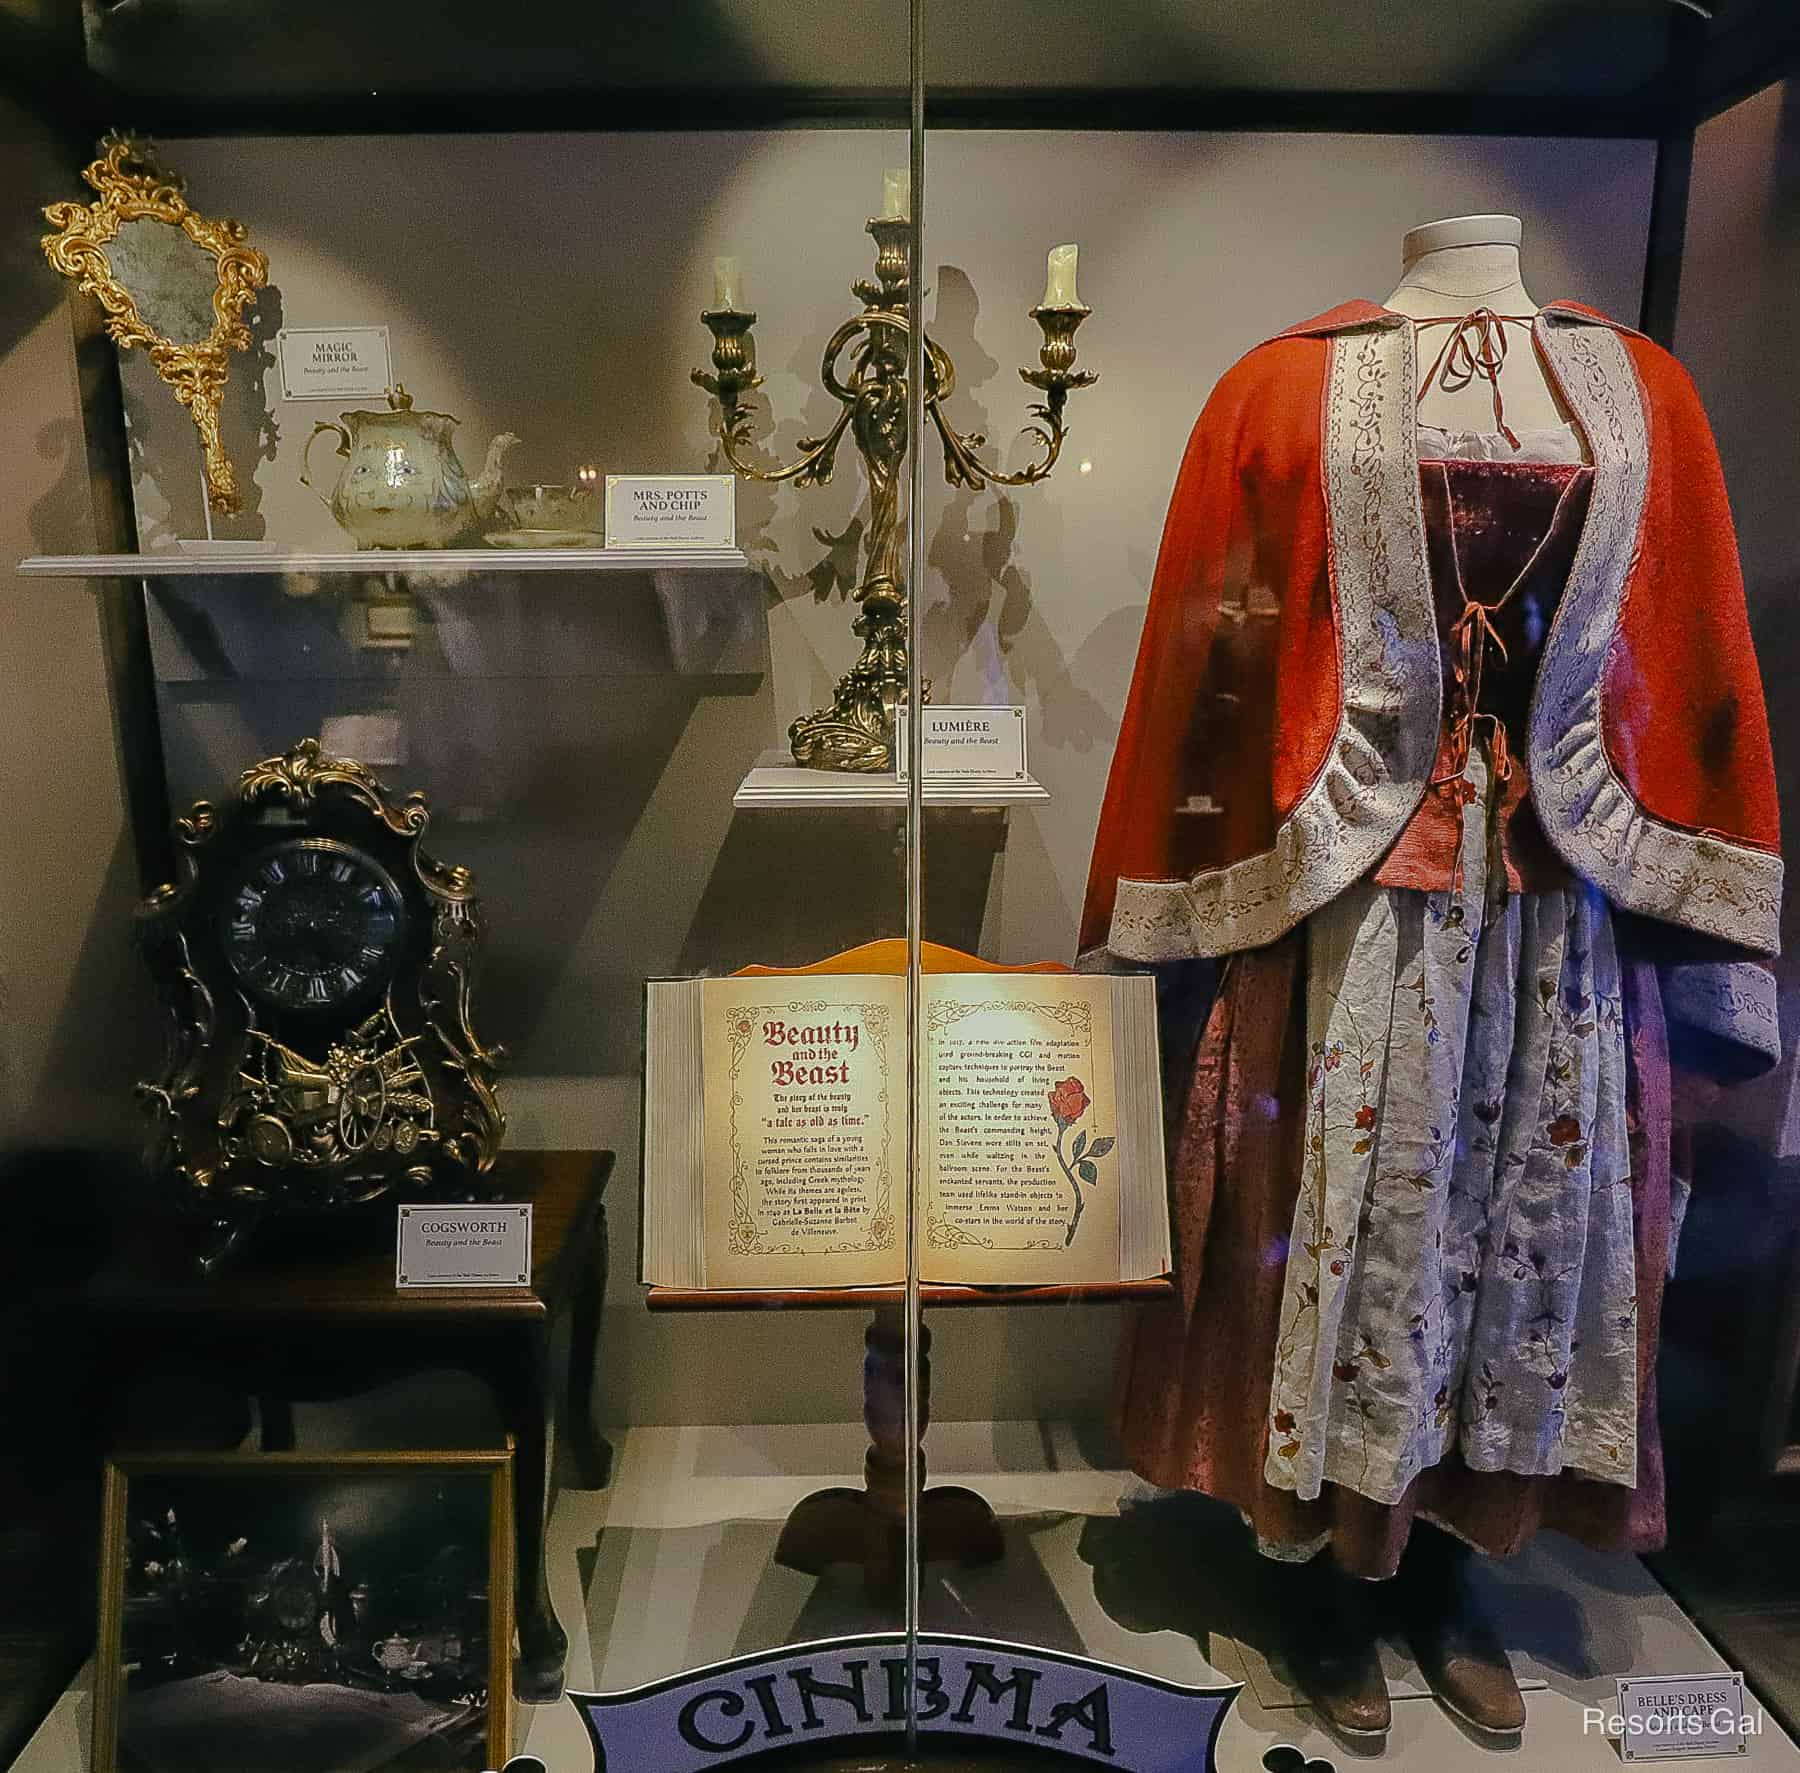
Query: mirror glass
x,y
170,278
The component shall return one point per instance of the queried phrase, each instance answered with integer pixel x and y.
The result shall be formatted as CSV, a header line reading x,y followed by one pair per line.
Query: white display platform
x,y
672,1568
778,783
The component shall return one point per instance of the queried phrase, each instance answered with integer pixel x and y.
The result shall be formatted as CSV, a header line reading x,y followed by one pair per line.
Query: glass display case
x,y
1062,729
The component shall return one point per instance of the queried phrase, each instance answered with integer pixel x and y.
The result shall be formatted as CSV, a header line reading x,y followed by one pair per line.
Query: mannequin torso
x,y
1451,268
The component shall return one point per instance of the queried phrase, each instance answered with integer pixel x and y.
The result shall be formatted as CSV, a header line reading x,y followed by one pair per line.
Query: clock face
x,y
311,924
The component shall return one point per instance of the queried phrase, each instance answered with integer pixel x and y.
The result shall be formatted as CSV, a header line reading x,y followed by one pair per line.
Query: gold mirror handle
x,y
343,449
221,482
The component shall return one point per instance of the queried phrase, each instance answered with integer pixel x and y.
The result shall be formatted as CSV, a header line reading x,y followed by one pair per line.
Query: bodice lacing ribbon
x,y
1476,351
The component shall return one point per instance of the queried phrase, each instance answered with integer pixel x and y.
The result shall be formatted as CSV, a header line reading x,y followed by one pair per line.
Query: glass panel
x,y
1337,1191
602,741
1412,1141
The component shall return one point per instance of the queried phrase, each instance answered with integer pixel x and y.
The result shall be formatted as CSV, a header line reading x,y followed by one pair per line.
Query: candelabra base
x,y
857,731
835,740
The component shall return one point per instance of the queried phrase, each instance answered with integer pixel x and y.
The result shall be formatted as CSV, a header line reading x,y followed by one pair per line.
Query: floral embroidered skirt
x,y
1421,1192
1459,1271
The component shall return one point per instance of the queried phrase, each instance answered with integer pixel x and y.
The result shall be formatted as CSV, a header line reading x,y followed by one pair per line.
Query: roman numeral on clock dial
x,y
309,926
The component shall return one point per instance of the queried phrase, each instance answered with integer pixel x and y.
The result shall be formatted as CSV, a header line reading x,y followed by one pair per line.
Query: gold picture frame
x,y
220,1578
131,188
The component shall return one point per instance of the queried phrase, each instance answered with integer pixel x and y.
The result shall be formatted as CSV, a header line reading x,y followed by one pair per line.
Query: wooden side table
x,y
290,1321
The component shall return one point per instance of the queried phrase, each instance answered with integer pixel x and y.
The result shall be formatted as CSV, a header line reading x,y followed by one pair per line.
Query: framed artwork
x,y
341,1614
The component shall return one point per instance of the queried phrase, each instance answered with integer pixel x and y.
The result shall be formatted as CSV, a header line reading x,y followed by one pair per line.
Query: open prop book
x,y
775,1131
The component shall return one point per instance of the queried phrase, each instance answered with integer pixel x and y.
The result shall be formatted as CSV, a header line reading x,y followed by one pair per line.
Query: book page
x,y
1021,1177
805,1130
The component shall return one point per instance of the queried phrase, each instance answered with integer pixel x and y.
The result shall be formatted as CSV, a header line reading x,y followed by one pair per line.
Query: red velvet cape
x,y
1285,704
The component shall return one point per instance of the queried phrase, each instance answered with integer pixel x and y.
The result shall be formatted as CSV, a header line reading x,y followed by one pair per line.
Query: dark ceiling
x,y
1605,65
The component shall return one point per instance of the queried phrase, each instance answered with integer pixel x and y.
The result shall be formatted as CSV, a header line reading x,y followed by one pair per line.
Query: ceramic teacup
x,y
551,507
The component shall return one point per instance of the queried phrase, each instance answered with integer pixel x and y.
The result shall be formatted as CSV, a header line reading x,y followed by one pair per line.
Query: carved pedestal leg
x,y
867,1526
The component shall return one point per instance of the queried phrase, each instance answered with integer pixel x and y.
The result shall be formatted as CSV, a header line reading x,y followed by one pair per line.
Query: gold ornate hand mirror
x,y
169,280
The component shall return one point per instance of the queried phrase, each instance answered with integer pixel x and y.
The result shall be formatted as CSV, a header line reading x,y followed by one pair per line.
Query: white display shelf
x,y
281,563
778,784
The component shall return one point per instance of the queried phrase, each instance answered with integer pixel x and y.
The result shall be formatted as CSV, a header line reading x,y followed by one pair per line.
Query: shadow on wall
x,y
247,423
775,444
833,508
759,909
987,613
164,448
59,515
106,1032
542,819
29,289
30,292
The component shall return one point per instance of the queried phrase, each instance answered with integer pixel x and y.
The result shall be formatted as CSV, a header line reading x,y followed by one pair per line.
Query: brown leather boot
x,y
1327,1638
1459,1653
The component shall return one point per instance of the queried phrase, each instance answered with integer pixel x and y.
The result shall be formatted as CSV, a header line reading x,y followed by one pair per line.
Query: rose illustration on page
x,y
1069,1101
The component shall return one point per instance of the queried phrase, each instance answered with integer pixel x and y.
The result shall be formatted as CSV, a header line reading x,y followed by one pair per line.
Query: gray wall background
x,y
552,286
1740,272
68,996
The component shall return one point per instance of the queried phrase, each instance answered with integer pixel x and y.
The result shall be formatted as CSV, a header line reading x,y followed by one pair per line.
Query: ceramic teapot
x,y
393,1654
401,485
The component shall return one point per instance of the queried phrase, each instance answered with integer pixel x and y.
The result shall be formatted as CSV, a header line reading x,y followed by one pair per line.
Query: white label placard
x,y
1683,1717
334,362
671,511
967,744
463,1246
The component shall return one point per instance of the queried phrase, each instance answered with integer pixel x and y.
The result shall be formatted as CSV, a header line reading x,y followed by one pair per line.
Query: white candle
x,y
1059,290
725,283
896,194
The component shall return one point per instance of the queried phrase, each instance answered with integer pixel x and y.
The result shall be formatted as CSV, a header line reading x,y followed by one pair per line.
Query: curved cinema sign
x,y
846,1688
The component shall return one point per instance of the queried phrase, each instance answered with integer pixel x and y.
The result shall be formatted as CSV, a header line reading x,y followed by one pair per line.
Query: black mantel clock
x,y
314,966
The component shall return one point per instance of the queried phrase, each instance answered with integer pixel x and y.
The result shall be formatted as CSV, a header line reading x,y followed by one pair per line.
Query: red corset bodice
x,y
1501,538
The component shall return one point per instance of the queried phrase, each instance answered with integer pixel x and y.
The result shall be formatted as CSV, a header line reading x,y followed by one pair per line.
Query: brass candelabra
x,y
856,732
